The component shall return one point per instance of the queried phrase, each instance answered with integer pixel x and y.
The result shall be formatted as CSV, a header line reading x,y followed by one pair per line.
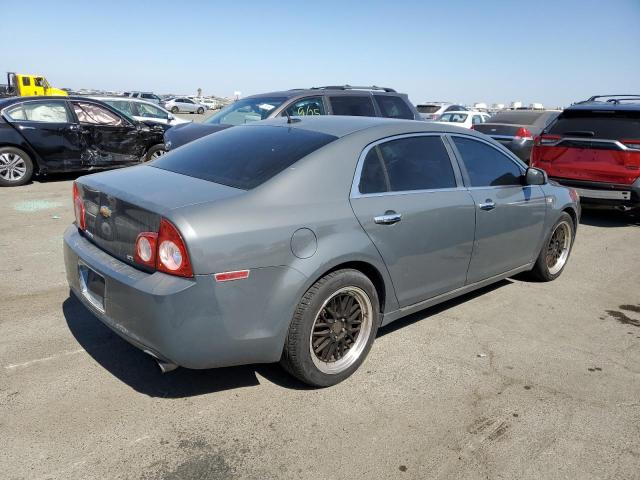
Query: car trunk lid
x,y
121,204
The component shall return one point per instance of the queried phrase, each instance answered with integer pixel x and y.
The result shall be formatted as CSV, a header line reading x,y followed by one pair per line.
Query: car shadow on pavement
x,y
609,218
428,312
138,370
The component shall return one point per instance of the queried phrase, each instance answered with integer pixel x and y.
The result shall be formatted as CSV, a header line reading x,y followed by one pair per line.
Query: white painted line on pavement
x,y
41,360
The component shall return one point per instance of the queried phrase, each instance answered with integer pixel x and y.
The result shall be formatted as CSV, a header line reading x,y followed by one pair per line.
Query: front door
x,y
108,138
509,215
412,205
47,126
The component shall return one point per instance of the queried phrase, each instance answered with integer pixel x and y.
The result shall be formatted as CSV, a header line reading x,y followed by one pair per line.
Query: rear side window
x,y
405,164
243,157
50,111
352,105
609,125
487,166
393,107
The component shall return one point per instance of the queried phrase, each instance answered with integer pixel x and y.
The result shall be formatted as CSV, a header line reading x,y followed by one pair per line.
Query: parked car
x,y
433,110
185,105
40,135
148,96
295,239
516,129
332,100
594,146
143,111
465,119
210,103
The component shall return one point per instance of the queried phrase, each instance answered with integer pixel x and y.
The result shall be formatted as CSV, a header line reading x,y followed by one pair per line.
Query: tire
x,y
319,324
200,111
154,152
556,250
16,167
175,109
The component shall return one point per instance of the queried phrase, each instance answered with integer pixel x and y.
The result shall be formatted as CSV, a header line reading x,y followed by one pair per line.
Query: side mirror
x,y
535,176
170,117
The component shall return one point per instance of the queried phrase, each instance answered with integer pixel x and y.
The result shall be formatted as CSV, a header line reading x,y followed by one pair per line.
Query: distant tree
x,y
199,92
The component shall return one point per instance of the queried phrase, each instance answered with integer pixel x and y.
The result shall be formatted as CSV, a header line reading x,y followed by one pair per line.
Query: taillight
x,y
146,248
172,256
523,134
78,208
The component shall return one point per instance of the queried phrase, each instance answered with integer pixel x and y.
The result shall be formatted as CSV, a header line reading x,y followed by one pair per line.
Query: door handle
x,y
389,218
487,205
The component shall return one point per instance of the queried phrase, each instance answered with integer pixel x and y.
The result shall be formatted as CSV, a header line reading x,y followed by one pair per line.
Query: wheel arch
x,y
38,164
574,216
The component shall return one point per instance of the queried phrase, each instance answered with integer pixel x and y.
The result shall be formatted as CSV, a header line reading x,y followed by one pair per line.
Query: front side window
x,y
149,111
246,110
393,107
92,114
305,107
487,166
405,164
50,111
122,106
358,106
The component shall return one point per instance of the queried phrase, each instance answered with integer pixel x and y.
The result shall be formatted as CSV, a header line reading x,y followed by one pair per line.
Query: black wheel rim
x,y
337,327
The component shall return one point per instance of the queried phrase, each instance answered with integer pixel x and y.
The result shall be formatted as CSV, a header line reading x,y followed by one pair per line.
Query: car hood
x,y
187,132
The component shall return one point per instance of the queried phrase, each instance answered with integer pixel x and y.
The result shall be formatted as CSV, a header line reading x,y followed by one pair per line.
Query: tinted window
x,y
306,106
246,110
243,157
612,125
428,108
92,114
354,106
518,117
486,166
453,117
393,107
415,163
51,111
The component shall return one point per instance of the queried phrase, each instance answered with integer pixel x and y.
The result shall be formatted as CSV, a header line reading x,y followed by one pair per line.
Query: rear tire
x,y
175,109
200,111
154,152
16,167
333,328
556,250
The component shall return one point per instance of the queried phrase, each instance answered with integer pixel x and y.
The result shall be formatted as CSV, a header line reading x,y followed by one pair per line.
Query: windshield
x,y
453,117
428,108
246,110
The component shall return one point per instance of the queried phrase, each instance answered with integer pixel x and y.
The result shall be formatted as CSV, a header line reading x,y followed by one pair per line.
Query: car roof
x,y
340,126
296,92
631,106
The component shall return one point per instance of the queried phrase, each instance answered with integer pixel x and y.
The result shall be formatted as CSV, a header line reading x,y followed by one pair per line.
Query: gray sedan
x,y
293,240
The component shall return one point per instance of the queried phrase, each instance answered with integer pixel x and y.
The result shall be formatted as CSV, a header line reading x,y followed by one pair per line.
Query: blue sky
x,y
553,52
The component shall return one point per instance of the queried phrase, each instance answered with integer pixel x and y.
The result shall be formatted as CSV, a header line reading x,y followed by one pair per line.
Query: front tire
x,y
333,328
175,109
154,152
556,250
200,110
16,167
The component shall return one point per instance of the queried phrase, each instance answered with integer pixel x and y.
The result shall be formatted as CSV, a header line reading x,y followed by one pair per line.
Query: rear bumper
x,y
194,323
602,193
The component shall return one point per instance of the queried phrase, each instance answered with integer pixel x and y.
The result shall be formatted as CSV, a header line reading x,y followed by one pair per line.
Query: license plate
x,y
92,286
604,194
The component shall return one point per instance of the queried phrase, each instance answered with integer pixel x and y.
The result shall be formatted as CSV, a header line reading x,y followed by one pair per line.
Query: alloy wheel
x,y
558,248
341,330
12,167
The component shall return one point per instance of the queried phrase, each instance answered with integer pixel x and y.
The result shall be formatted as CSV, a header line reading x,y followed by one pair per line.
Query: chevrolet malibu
x,y
294,240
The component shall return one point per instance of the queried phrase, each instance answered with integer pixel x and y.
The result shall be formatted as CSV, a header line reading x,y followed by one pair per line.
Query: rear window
x,y
243,157
353,106
604,124
393,107
518,118
428,108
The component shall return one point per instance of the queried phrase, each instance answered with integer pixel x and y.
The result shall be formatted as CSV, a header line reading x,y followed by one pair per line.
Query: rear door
x,y
108,139
353,105
592,145
409,198
509,215
47,126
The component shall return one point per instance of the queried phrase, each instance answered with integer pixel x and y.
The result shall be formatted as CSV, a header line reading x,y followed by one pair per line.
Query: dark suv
x,y
332,100
594,146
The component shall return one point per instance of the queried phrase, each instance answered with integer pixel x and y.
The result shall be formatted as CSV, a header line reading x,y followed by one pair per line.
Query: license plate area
x,y
92,286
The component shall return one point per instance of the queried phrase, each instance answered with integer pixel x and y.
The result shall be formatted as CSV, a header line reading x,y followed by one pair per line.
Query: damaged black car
x,y
41,135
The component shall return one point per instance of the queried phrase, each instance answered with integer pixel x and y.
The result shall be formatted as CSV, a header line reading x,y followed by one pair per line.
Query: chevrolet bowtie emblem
x,y
105,211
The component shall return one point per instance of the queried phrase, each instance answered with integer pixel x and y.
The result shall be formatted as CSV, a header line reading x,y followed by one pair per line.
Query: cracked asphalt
x,y
520,380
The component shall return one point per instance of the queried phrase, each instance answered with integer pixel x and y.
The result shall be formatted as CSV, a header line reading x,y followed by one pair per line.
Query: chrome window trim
x,y
355,189
617,143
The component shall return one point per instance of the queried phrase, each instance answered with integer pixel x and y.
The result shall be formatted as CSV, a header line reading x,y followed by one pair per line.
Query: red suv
x,y
594,147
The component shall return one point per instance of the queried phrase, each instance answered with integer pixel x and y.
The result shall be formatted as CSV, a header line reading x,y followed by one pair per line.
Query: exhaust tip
x,y
166,367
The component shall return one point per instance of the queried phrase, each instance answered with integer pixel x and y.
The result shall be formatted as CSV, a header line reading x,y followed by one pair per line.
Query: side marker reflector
x,y
229,276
